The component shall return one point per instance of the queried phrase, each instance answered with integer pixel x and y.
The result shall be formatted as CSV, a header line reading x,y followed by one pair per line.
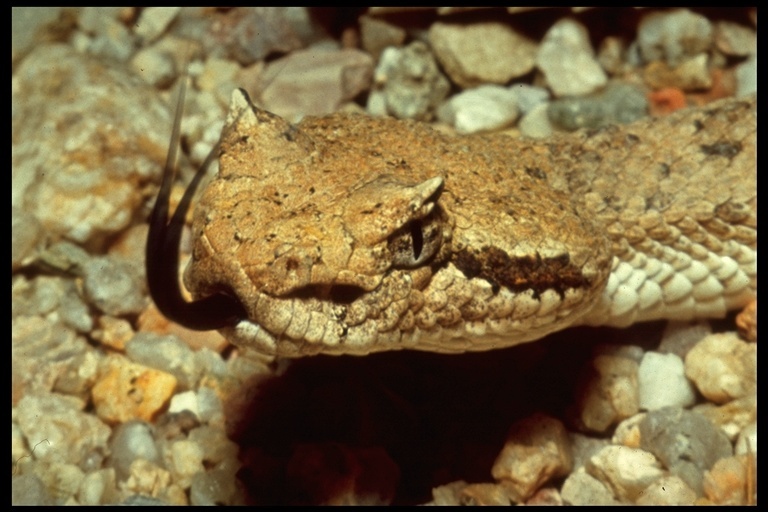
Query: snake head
x,y
350,235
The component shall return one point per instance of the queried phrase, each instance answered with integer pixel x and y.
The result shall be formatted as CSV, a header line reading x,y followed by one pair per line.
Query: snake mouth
x,y
335,293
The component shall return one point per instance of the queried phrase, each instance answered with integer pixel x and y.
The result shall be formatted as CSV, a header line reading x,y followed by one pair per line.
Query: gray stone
x,y
685,442
113,286
620,103
315,81
673,36
407,84
166,353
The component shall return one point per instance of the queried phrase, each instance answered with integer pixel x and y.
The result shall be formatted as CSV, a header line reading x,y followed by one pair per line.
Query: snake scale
x,y
351,235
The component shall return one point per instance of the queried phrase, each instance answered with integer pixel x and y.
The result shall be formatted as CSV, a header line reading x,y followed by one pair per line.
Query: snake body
x,y
351,235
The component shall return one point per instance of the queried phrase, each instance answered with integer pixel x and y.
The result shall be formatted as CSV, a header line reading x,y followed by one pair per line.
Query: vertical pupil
x,y
417,237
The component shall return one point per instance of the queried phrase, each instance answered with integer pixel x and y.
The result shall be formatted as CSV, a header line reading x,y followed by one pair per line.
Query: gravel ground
x,y
114,404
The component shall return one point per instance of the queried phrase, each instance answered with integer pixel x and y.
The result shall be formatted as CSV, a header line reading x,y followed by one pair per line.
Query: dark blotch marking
x,y
520,273
535,172
726,149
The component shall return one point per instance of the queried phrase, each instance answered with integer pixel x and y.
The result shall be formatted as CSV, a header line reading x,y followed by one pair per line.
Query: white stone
x,y
662,382
488,107
568,61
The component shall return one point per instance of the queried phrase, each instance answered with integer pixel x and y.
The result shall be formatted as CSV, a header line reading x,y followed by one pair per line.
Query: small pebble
x,y
685,442
581,488
620,103
673,36
165,353
376,34
71,435
407,83
568,62
723,367
537,450
610,393
626,471
732,481
113,286
661,382
153,21
735,39
315,81
667,490
130,441
130,391
482,52
486,108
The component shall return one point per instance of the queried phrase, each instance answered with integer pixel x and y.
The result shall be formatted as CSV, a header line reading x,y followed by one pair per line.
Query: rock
x,y
44,351
249,34
376,34
680,337
529,97
661,382
485,494
723,367
77,159
732,417
155,66
150,480
129,391
153,21
29,490
581,488
691,74
609,393
486,108
667,490
746,322
27,25
673,36
732,481
735,39
71,435
626,471
620,103
685,442
27,238
535,124
113,286
481,53
537,450
130,441
184,460
747,441
746,77
568,62
407,84
315,81
167,354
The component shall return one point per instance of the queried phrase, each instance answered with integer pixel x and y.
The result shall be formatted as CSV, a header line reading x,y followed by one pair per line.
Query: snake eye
x,y
417,241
